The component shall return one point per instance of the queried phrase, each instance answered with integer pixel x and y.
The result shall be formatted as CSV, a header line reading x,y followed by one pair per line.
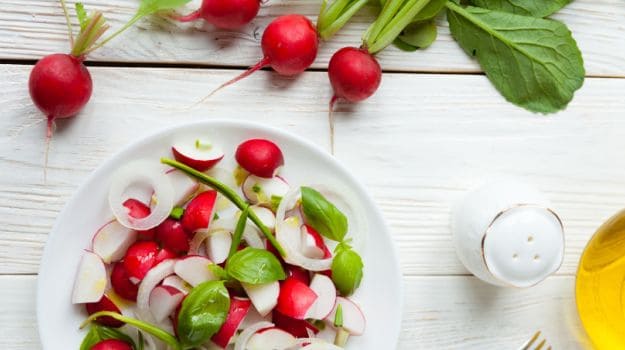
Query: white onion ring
x,y
146,173
198,238
149,282
244,337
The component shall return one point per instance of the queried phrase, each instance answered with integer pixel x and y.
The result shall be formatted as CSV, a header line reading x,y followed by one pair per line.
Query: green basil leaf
x,y
81,14
148,7
534,63
419,34
99,333
535,8
203,312
322,215
218,272
346,270
254,266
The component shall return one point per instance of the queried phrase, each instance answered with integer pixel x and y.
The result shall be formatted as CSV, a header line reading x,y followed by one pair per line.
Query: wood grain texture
x,y
30,29
414,148
446,312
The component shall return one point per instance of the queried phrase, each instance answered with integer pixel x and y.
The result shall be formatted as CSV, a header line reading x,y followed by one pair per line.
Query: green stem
x,y
338,23
69,23
144,326
388,11
228,193
132,21
328,17
238,231
95,27
341,337
396,25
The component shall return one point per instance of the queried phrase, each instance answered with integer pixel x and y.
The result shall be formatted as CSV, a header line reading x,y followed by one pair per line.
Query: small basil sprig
x,y
203,312
322,215
346,269
254,266
99,333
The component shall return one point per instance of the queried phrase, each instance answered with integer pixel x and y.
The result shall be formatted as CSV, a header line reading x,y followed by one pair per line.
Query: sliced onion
x,y
149,282
198,238
244,337
141,173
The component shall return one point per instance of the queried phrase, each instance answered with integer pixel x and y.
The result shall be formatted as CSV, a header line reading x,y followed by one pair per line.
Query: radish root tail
x,y
331,121
49,131
261,64
195,15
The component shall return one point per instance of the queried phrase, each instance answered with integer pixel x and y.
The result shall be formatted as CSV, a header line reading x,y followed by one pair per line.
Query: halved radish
x,y
295,298
199,211
298,273
178,283
120,281
184,186
248,332
271,338
259,190
91,281
298,328
326,297
353,319
194,270
218,246
238,310
198,154
104,304
172,236
260,157
138,210
313,245
112,240
163,301
141,257
263,296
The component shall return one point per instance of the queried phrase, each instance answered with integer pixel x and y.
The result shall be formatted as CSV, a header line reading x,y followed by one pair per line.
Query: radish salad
x,y
203,257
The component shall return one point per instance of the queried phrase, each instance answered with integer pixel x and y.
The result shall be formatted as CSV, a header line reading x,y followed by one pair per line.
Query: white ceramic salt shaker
x,y
506,234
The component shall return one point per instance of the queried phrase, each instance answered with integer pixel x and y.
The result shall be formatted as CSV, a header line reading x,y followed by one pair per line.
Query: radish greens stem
x,y
238,231
69,23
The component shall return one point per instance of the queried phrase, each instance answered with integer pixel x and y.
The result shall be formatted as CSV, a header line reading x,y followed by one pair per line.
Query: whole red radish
x,y
226,14
260,157
172,236
105,304
354,74
289,46
199,211
295,298
141,257
120,281
112,344
139,210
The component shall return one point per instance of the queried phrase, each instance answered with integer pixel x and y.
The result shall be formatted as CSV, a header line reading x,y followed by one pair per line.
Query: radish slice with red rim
x,y
141,173
199,154
259,190
112,240
244,337
271,338
149,282
91,280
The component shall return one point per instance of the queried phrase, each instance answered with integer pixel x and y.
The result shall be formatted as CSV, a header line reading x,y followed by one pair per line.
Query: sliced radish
x,y
295,298
163,302
244,337
138,210
353,319
141,173
121,283
198,154
184,186
253,317
271,338
289,234
112,240
238,310
314,243
198,239
252,236
297,328
104,304
298,273
263,296
326,297
218,246
178,283
194,270
90,282
141,257
260,190
260,157
150,281
199,211
265,215
172,236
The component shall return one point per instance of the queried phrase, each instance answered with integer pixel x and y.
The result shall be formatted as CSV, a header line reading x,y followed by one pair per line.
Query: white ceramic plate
x,y
380,294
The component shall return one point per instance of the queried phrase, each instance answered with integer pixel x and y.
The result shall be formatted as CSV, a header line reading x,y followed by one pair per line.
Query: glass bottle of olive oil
x,y
600,285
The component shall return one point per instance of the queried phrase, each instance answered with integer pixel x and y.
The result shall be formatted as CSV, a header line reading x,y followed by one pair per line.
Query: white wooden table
x,y
418,145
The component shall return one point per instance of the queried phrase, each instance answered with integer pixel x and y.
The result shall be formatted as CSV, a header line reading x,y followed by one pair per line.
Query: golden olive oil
x,y
599,289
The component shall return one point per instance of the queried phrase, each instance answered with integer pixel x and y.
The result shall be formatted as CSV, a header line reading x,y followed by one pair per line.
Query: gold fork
x,y
529,345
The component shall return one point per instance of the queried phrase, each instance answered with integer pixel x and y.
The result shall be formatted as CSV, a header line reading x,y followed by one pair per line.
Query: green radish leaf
x,y
431,10
419,34
322,215
534,63
346,269
535,8
403,46
254,266
203,312
148,7
99,333
82,15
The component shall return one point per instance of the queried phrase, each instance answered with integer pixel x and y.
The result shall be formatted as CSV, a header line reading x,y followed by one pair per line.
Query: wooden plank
x,y
417,151
446,312
30,29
